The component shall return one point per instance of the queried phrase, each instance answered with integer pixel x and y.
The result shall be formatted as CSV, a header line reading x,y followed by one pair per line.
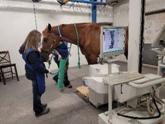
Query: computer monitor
x,y
112,41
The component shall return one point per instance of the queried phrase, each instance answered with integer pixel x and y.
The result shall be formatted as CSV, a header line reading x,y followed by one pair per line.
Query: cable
x,y
35,15
144,118
150,108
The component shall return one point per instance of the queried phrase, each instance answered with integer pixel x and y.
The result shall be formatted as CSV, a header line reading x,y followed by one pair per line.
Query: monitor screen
x,y
112,41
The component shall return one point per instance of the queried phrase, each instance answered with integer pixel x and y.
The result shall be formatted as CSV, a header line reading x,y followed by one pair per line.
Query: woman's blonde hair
x,y
32,40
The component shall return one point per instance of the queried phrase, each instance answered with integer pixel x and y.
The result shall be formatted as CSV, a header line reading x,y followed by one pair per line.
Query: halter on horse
x,y
88,36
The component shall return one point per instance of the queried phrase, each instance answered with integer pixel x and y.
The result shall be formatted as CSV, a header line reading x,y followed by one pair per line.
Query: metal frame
x,y
94,4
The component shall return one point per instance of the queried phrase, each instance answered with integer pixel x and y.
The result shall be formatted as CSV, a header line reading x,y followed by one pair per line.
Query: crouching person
x,y
35,70
62,52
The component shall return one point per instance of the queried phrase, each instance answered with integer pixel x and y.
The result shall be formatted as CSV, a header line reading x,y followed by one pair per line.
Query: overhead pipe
x,y
155,12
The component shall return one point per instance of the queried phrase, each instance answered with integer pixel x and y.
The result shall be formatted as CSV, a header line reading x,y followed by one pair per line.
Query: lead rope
x,y
49,63
78,44
35,15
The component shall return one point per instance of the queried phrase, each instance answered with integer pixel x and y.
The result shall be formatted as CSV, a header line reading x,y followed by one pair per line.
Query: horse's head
x,y
49,42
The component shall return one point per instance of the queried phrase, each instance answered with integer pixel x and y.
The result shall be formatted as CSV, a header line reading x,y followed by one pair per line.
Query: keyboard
x,y
114,79
147,78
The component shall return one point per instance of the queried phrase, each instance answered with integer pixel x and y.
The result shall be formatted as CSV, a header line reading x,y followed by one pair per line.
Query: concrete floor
x,y
66,107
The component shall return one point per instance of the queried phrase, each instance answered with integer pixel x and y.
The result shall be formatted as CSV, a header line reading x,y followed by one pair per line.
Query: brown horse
x,y
88,37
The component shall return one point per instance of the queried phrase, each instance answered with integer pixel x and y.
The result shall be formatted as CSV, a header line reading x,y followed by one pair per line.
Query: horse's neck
x,y
69,33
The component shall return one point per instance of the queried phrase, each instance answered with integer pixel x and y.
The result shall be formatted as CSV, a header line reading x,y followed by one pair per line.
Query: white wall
x,y
120,11
154,23
121,18
17,22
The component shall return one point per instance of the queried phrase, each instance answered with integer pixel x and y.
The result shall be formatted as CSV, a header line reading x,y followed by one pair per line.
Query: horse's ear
x,y
49,27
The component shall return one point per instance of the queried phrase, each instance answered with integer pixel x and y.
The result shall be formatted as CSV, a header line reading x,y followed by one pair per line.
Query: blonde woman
x,y
35,70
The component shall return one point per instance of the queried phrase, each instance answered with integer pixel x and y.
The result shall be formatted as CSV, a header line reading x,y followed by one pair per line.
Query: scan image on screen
x,y
113,40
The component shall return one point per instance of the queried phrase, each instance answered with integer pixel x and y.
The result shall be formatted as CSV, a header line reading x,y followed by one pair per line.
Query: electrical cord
x,y
144,118
150,107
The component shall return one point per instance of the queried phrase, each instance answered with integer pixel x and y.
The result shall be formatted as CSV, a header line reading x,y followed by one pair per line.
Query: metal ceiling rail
x,y
19,5
89,2
94,4
52,5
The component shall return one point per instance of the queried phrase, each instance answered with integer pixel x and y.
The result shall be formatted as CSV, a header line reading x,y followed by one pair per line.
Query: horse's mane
x,y
87,23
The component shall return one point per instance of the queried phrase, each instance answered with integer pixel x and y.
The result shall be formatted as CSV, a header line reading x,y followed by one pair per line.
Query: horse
x,y
85,35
